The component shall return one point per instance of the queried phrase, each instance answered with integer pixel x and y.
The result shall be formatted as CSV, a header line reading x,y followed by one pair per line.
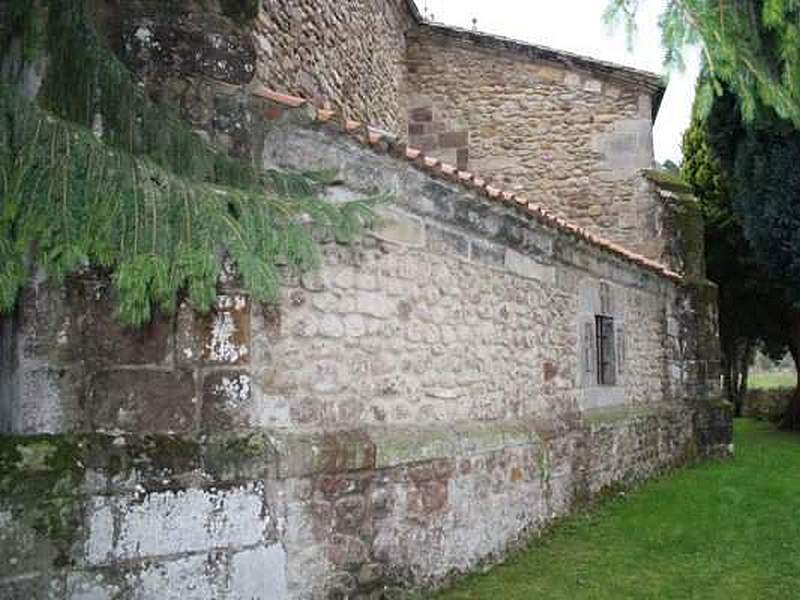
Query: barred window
x,y
606,357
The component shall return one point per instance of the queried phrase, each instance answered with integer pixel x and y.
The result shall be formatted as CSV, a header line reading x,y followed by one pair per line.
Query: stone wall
x,y
570,133
349,54
412,410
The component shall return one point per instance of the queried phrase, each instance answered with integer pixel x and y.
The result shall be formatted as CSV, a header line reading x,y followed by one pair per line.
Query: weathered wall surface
x,y
572,137
349,54
411,410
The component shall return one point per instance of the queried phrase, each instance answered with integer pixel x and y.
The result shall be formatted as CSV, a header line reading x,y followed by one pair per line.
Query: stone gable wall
x,y
350,54
572,140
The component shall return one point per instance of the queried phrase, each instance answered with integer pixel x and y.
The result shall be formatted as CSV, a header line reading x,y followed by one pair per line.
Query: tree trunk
x,y
737,363
746,359
791,419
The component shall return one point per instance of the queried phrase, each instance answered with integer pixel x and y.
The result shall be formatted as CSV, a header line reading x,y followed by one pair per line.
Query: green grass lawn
x,y
771,381
719,530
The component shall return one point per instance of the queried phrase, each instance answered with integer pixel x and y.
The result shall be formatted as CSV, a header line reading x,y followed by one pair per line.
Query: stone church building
x,y
528,327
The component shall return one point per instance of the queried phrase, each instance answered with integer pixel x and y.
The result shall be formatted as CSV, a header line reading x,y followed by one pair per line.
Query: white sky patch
x,y
577,26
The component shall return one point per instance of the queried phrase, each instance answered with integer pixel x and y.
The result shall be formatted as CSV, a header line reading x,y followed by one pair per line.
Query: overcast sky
x,y
577,26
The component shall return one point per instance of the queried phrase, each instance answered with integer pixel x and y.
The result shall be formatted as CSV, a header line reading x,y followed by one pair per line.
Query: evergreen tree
x,y
753,308
761,160
751,98
93,174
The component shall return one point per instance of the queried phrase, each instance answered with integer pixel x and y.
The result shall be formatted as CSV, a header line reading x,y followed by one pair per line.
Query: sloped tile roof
x,y
382,141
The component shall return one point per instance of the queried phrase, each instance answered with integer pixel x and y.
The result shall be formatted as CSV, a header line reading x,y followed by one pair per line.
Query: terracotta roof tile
x,y
324,115
492,191
448,169
413,153
376,138
285,99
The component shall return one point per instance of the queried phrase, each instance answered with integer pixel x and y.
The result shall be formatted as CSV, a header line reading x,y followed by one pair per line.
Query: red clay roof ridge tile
x,y
376,138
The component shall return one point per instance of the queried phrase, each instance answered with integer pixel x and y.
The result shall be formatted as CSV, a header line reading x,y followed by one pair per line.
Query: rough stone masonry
x,y
431,396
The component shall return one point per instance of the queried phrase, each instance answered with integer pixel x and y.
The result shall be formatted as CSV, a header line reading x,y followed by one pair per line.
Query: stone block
x,y
454,139
30,586
46,399
87,585
22,549
227,401
332,453
550,73
524,266
462,159
593,85
99,336
174,522
426,143
195,577
446,241
486,253
259,573
221,337
572,80
399,228
421,115
142,400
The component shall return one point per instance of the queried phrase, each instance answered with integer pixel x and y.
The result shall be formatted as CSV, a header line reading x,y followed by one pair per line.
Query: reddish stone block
x,y
221,337
98,337
346,451
550,371
226,397
462,162
142,401
428,489
272,112
416,129
424,114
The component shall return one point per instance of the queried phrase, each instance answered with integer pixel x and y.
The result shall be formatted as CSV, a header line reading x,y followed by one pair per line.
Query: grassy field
x,y
720,530
771,381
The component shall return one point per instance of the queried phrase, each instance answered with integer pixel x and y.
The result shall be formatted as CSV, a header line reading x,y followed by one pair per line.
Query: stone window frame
x,y
601,298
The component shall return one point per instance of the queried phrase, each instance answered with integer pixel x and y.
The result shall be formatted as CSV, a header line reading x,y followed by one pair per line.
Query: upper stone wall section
x,y
571,133
349,53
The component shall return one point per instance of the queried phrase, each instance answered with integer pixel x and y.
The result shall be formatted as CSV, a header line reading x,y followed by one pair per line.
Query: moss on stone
x,y
42,476
241,11
40,480
690,231
668,181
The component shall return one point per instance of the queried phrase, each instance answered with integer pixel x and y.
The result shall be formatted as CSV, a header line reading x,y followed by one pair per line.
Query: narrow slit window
x,y
606,358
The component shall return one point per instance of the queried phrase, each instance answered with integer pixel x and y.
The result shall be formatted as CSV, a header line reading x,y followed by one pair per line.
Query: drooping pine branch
x,y
146,198
751,47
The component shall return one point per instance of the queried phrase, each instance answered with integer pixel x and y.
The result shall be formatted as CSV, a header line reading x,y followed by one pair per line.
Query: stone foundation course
x,y
351,514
